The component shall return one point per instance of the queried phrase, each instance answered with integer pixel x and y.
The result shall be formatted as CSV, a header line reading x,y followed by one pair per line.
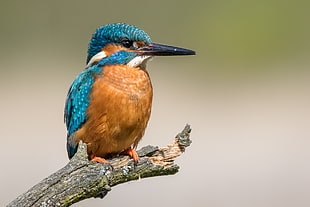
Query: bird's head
x,y
112,38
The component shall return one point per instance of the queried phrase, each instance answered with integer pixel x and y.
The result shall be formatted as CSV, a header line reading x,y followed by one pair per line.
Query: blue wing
x,y
76,104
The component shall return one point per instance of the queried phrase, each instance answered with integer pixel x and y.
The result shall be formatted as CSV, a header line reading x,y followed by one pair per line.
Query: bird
x,y
109,103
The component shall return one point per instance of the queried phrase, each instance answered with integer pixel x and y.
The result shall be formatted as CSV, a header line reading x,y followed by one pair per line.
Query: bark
x,y
81,178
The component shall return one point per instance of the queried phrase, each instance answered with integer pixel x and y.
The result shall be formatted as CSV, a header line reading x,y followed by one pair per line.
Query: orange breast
x,y
119,109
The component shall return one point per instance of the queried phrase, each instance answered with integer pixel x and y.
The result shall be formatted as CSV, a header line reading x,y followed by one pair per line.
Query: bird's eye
x,y
127,43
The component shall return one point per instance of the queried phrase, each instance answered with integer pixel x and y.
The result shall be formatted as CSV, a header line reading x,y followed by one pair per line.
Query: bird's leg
x,y
99,159
132,153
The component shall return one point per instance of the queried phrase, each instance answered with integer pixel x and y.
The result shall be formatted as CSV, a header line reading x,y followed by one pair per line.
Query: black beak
x,y
155,49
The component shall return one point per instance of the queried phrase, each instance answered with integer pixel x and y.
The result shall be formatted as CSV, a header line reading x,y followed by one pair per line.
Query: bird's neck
x,y
126,79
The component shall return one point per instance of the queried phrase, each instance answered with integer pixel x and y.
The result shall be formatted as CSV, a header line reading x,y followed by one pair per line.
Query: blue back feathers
x,y
114,34
79,93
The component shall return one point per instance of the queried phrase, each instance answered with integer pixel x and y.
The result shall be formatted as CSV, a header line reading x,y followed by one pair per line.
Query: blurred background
x,y
245,94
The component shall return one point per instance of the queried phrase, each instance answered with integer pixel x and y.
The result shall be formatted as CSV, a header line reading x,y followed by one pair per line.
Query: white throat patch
x,y
139,61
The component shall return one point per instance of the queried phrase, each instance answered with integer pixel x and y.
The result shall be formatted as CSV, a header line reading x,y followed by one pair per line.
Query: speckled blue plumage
x,y
114,34
79,93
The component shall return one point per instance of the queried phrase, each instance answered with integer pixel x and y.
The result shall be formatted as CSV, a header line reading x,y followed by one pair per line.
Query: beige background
x,y
246,95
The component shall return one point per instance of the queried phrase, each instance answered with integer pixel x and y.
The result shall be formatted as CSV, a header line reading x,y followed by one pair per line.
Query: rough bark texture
x,y
81,178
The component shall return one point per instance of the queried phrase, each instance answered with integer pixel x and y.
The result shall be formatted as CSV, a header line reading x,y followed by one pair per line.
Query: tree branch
x,y
81,178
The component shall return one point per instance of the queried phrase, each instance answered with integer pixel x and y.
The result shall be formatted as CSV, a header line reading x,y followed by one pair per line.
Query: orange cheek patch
x,y
140,43
110,49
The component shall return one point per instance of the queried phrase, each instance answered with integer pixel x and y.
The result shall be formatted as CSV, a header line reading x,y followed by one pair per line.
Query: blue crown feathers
x,y
114,34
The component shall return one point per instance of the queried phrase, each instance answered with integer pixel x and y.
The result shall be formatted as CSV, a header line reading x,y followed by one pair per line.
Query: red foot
x,y
132,153
99,159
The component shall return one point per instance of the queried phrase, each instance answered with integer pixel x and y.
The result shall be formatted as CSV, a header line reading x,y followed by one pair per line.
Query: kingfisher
x,y
109,103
